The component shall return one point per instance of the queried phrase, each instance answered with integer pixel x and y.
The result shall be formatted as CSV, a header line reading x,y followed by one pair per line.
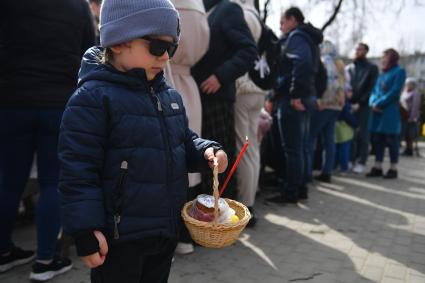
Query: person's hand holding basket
x,y
214,222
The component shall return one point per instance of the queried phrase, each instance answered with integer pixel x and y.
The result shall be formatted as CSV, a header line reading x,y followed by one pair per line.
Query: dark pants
x,y
381,141
323,123
23,132
293,130
144,261
360,145
410,133
218,124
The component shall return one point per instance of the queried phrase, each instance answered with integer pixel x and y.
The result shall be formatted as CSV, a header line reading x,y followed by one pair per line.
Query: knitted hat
x,y
124,20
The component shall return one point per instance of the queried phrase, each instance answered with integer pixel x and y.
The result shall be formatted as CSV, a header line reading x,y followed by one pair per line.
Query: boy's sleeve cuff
x,y
86,243
216,148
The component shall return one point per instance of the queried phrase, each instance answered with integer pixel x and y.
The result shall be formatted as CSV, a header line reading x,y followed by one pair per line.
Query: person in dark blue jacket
x,y
295,98
125,147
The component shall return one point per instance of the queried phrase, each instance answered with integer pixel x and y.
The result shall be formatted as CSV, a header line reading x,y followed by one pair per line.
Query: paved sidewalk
x,y
353,230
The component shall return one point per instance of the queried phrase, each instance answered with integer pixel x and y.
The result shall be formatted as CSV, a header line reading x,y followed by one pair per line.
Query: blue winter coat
x,y
114,117
386,96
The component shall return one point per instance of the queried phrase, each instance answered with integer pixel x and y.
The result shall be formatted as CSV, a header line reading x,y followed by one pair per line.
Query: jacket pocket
x,y
119,196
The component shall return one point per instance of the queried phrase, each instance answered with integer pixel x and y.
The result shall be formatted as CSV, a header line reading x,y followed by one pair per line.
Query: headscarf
x,y
393,58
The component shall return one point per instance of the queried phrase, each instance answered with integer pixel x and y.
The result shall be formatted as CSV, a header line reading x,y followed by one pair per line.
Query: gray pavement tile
x,y
415,279
373,273
395,271
354,230
392,280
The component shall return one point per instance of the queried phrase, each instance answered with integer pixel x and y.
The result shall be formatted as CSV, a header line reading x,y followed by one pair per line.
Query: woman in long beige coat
x,y
193,44
249,101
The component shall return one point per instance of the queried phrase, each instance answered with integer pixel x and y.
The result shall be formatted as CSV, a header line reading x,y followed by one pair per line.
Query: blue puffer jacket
x,y
115,117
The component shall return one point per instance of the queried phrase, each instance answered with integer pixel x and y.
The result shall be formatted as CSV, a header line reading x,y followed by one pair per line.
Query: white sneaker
x,y
358,169
184,248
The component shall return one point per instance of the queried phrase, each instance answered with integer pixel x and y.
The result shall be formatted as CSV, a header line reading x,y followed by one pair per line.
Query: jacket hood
x,y
92,68
315,33
327,48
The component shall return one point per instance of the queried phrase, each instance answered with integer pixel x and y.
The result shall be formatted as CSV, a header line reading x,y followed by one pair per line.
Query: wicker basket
x,y
213,234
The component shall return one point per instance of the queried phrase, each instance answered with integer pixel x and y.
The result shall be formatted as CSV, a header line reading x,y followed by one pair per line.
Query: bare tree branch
x,y
332,18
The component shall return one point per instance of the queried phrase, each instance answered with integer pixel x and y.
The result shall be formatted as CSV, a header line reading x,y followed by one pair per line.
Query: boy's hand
x,y
221,159
97,259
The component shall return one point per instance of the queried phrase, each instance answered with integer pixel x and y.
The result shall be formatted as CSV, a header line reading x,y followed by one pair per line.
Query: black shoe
x,y
375,172
280,199
408,152
391,174
43,272
303,192
303,196
326,178
17,256
253,220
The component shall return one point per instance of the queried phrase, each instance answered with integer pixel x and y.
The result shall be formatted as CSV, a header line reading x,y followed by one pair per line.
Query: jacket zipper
x,y
163,132
156,100
120,197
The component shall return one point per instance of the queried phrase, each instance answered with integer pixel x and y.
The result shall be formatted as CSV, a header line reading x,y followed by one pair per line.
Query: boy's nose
x,y
164,57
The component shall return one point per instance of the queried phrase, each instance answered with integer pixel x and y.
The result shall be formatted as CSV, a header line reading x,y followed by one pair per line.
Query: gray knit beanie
x,y
124,20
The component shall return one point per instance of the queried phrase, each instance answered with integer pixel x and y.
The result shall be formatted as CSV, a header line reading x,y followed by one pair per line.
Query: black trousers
x,y
143,261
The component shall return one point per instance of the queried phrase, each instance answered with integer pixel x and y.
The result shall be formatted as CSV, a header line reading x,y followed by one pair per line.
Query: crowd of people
x,y
127,136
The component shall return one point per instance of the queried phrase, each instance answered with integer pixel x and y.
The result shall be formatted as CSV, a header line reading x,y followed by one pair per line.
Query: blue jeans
x,y
24,132
293,130
380,141
342,155
323,123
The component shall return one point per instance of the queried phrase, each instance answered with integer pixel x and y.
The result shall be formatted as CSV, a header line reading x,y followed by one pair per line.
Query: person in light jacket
x,y
248,104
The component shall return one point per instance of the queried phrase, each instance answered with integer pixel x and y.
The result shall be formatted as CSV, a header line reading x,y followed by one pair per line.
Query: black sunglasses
x,y
157,47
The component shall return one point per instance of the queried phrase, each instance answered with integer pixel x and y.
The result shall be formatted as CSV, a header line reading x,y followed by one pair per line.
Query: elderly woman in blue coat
x,y
384,121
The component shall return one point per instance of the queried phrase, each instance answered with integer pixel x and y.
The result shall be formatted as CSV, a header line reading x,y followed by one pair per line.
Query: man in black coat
x,y
41,45
231,53
363,75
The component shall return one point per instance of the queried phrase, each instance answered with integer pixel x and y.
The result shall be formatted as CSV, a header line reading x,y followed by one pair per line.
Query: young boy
x,y
125,147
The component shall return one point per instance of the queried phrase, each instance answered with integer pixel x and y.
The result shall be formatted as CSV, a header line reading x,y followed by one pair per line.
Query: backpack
x,y
321,79
264,73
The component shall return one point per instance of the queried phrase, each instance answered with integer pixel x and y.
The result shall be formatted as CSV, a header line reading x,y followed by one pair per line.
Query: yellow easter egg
x,y
234,218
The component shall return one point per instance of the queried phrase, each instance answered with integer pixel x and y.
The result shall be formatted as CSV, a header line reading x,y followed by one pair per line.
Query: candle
x,y
235,165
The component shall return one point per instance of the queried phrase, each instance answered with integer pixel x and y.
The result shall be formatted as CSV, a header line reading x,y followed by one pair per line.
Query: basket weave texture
x,y
213,234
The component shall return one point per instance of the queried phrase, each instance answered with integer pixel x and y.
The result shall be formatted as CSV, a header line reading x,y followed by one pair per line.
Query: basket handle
x,y
215,190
